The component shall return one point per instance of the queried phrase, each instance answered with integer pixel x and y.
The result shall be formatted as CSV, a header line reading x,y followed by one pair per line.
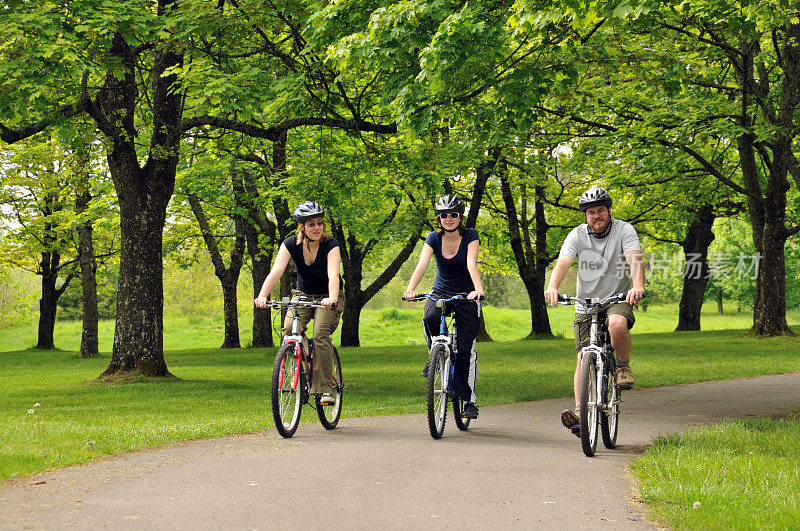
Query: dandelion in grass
x,y
34,415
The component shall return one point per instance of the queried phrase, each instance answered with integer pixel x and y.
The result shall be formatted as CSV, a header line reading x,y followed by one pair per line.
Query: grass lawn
x,y
390,326
732,475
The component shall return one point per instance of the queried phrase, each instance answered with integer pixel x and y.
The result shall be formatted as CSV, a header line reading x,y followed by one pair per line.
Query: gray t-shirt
x,y
602,267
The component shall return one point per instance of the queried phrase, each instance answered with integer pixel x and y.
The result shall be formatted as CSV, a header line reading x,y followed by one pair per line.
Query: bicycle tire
x,y
458,407
287,403
588,416
329,415
437,391
609,420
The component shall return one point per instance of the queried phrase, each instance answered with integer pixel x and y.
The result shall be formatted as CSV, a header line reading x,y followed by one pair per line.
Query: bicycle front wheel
x,y
329,415
458,408
437,390
287,387
609,418
588,415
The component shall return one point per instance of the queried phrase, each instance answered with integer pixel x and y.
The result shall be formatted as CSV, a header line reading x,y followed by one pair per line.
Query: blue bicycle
x,y
441,371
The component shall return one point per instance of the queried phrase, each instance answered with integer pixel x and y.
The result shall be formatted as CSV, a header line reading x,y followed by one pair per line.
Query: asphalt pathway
x,y
515,467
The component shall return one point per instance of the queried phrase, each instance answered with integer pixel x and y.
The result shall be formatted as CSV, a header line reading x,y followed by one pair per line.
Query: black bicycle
x,y
600,396
291,373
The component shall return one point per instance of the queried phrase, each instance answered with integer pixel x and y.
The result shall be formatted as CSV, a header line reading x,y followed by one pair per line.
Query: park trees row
x,y
690,111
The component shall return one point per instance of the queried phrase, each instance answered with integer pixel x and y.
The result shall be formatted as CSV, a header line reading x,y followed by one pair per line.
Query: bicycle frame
x,y
445,338
601,346
297,338
294,368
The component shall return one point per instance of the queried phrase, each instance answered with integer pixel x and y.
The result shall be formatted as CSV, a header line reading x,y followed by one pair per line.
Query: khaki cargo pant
x,y
583,322
325,322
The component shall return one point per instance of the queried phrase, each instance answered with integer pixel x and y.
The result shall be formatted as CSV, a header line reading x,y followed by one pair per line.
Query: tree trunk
x,y
89,335
699,236
262,317
530,265
352,262
229,289
283,215
353,257
767,203
540,319
351,319
138,337
228,276
143,194
483,172
48,302
768,221
769,312
260,258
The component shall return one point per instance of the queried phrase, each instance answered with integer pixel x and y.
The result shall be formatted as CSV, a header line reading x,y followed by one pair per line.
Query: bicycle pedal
x,y
576,431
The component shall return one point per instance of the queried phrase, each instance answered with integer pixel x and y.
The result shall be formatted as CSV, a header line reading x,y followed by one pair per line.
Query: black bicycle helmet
x,y
308,210
449,203
594,196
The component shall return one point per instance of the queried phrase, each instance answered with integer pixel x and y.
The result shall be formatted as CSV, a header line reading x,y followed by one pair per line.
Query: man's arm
x,y
636,263
560,269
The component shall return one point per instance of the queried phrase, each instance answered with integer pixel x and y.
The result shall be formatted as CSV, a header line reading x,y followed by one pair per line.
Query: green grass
x,y
388,326
743,474
220,392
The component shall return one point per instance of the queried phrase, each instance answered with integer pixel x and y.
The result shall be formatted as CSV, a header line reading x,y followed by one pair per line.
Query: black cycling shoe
x,y
425,370
470,411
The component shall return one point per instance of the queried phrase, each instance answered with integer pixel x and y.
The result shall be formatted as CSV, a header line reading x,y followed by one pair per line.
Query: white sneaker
x,y
326,399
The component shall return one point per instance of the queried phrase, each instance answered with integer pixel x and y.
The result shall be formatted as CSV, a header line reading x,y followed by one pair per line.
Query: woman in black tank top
x,y
316,258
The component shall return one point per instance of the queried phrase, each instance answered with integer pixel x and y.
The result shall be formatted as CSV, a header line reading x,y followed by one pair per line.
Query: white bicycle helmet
x,y
594,196
449,203
308,210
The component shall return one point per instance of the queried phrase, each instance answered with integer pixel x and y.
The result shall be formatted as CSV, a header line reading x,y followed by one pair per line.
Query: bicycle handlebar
x,y
424,296
564,298
302,302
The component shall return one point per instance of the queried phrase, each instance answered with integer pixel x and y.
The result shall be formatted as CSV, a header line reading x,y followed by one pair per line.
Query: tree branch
x,y
390,272
11,136
273,133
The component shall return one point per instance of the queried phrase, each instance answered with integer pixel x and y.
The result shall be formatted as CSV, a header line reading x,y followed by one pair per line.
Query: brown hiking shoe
x,y
571,421
624,378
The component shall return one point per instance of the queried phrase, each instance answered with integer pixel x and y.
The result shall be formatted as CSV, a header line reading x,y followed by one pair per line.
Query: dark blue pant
x,y
467,321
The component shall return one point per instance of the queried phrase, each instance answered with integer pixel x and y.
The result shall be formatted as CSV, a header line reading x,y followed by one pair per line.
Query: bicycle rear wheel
x,y
287,387
437,390
329,415
589,393
458,408
609,418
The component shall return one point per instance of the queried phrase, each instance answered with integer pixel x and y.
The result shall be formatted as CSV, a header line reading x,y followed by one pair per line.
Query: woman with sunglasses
x,y
316,258
456,250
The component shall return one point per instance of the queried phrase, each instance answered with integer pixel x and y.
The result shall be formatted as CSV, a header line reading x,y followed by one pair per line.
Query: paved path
x,y
516,467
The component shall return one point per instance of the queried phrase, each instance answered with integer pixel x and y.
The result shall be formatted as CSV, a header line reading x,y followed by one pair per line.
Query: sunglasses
x,y
445,215
312,223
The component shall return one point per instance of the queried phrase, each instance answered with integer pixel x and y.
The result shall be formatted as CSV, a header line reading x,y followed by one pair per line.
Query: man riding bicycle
x,y
609,261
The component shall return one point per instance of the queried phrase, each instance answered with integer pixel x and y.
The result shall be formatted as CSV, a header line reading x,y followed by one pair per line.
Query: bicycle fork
x,y
299,357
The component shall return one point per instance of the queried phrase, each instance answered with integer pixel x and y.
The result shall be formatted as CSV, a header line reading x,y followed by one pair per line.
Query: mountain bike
x,y
441,371
600,396
292,372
